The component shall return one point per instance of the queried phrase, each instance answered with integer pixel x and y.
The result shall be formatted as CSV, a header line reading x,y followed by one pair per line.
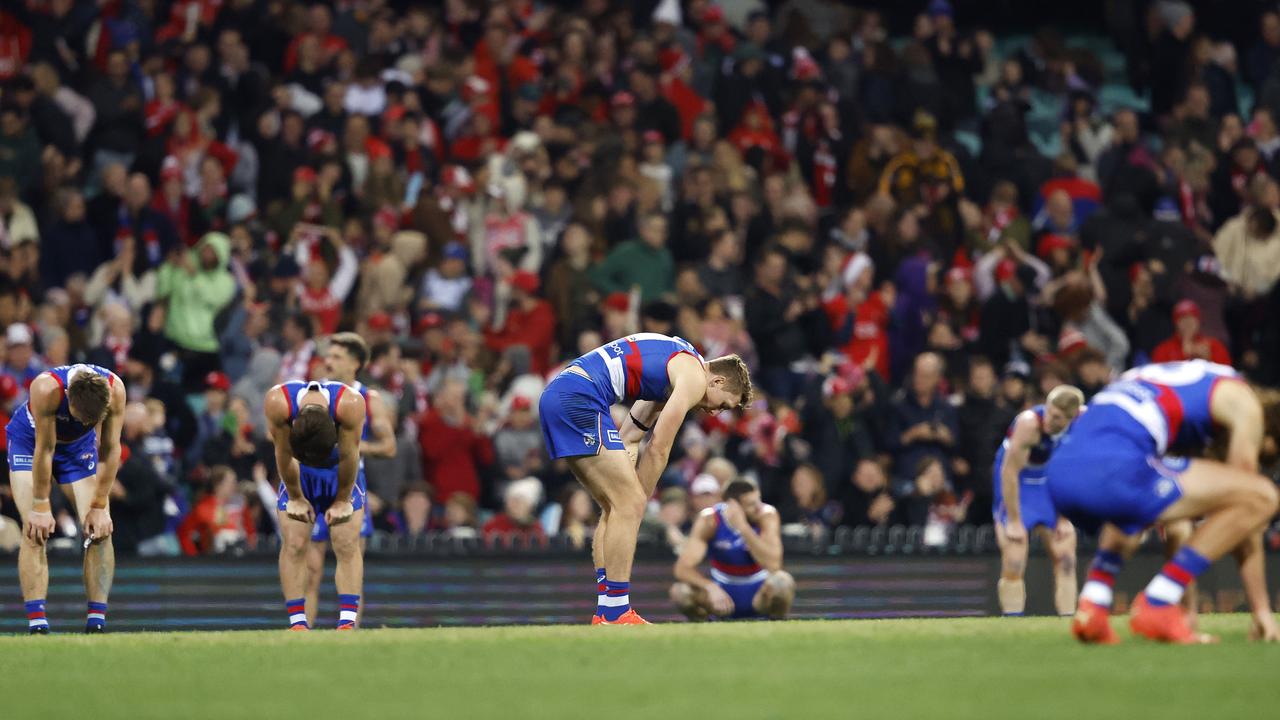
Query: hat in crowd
x,y
1071,340
673,495
652,137
941,8
18,334
1006,270
525,281
530,92
379,322
530,489
835,385
520,402
661,311
304,173
456,176
713,15
429,321
241,208
217,381
852,372
1173,11
318,138
747,51
704,484
387,218
1186,308
8,388
455,251
1166,210
668,11
1051,242
286,268
1016,368
622,98
474,87
959,274
617,301
170,169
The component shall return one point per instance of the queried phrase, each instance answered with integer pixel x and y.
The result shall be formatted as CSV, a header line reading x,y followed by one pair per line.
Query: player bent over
x,y
68,431
316,427
743,536
1116,465
345,356
1022,501
577,426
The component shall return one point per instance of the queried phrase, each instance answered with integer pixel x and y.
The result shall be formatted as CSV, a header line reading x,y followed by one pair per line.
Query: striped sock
x,y
297,610
600,594
1101,580
617,600
35,614
348,609
1167,587
97,616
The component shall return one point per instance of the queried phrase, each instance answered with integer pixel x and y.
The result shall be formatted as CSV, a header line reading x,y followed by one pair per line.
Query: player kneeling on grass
x,y
1118,465
1022,501
743,537
316,430
52,438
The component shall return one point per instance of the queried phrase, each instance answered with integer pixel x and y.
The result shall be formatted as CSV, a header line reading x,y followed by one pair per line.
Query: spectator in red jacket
x,y
529,323
452,447
221,519
517,522
1187,343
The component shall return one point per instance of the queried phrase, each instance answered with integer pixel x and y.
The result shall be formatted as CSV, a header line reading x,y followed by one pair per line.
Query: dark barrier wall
x,y
416,591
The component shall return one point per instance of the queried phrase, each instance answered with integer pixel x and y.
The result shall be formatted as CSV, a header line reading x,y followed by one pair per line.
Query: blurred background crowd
x,y
911,220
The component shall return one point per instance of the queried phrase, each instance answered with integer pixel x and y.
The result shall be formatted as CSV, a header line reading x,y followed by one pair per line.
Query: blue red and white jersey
x,y
332,392
634,367
1170,401
1040,452
68,428
731,561
367,432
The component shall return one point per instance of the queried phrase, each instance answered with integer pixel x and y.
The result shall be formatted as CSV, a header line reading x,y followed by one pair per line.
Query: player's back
x,y
633,367
68,429
294,390
1166,404
731,560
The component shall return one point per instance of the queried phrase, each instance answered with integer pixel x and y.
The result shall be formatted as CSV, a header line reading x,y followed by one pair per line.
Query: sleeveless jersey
x,y
1170,402
634,367
332,391
1040,453
731,561
68,428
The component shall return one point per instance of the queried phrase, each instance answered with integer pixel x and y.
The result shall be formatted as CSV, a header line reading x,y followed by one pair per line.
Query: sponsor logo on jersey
x,y
613,436
589,440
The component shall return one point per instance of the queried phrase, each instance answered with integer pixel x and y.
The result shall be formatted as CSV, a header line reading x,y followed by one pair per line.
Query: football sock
x,y
297,610
1101,579
616,601
97,616
35,615
1167,587
600,594
348,609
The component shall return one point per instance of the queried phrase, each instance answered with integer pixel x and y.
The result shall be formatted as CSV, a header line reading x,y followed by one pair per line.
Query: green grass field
x,y
982,668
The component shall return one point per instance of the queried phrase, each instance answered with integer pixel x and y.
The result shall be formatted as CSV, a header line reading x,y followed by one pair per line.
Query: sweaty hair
x,y
737,488
737,378
1066,398
89,394
313,435
355,346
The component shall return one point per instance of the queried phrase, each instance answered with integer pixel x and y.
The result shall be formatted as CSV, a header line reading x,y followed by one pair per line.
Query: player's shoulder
x,y
768,511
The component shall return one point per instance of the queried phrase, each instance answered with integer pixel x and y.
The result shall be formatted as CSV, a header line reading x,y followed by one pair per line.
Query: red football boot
x,y
1164,623
597,620
630,617
1092,624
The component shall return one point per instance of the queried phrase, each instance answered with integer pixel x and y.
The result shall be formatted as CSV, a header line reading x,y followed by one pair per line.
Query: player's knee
x,y
781,583
627,504
1267,496
682,595
1013,566
294,547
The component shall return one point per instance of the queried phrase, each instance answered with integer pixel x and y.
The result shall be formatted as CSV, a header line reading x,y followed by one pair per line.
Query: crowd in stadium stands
x,y
908,239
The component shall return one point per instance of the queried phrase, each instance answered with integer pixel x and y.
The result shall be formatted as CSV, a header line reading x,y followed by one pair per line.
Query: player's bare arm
x,y
97,521
688,387
351,417
1235,406
692,553
765,546
1026,433
45,397
382,441
637,425
276,409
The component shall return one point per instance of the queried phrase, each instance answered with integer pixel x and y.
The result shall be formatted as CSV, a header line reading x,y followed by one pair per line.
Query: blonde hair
x,y
736,375
1067,398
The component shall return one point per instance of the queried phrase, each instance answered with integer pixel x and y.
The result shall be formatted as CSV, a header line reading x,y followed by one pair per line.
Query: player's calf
x,y
778,594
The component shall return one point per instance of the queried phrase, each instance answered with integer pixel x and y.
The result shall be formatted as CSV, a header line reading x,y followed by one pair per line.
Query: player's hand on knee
x,y
300,510
97,524
721,603
338,513
40,526
1015,533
